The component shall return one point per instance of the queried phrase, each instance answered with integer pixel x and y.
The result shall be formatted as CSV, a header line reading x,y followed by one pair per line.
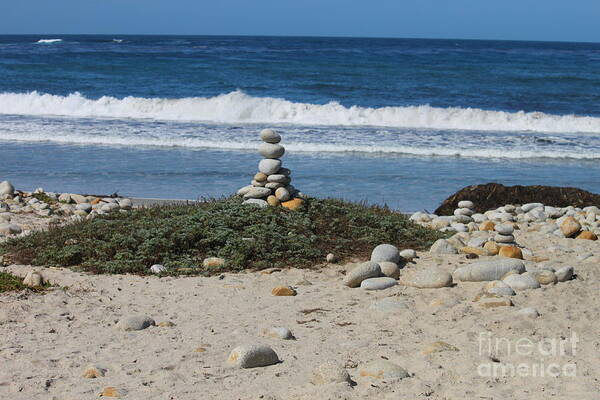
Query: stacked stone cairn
x,y
271,185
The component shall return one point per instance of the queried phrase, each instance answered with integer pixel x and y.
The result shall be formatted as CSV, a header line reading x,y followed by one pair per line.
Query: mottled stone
x,y
283,291
364,271
570,227
252,356
329,372
389,269
383,370
427,279
135,323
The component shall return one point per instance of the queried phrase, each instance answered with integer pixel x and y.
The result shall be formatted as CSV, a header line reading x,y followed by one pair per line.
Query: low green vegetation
x,y
247,237
10,283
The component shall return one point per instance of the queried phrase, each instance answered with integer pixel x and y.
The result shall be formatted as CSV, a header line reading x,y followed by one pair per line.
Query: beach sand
x,y
49,339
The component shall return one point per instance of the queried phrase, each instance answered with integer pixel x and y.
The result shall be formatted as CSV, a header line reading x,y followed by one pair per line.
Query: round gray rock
x,y
364,271
521,282
270,136
491,270
268,150
283,194
269,166
252,356
257,193
135,323
329,372
385,252
505,229
389,269
466,204
378,283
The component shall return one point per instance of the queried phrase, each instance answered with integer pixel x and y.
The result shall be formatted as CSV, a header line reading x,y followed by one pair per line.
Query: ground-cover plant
x,y
10,283
247,237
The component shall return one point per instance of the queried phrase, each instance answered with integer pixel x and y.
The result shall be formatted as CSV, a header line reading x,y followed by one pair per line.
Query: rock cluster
x,y
271,185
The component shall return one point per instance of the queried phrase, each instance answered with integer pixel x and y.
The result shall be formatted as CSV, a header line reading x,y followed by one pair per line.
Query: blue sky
x,y
573,20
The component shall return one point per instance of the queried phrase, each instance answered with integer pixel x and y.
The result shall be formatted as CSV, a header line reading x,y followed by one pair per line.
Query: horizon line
x,y
300,36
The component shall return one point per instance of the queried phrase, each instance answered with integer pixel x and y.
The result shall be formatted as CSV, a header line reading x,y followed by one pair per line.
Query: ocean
x,y
402,122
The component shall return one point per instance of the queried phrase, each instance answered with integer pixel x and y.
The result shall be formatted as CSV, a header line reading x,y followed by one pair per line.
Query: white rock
x,y
257,193
87,207
279,332
530,206
408,254
466,204
521,282
135,323
252,356
158,268
270,150
504,229
383,370
256,202
269,166
499,288
427,279
443,246
565,273
463,211
331,258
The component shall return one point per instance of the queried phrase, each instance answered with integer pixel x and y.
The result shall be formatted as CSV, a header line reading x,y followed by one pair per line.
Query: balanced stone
x,y
499,238
364,271
284,171
283,194
389,269
378,283
269,166
270,136
244,190
273,185
491,270
504,229
278,178
252,356
385,252
260,177
466,204
268,150
256,202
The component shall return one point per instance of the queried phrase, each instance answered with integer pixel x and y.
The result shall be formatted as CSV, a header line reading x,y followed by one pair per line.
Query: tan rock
x,y
293,204
110,392
166,324
474,250
93,371
494,302
260,177
95,201
438,347
492,247
510,252
587,235
273,201
213,262
487,226
570,227
283,291
544,277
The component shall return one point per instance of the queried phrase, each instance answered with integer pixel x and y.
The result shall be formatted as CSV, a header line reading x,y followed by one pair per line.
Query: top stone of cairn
x,y
270,136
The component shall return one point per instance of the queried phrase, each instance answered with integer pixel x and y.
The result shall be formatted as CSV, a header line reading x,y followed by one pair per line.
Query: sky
x,y
552,20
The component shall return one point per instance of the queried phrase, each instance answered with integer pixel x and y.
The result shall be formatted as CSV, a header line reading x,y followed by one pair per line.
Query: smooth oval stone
x,y
564,274
158,268
244,190
273,185
544,277
499,288
530,206
364,271
427,279
283,194
408,254
389,269
489,270
504,229
329,372
466,204
135,323
278,178
269,166
383,370
463,211
385,252
270,136
504,238
528,312
6,188
257,193
279,332
260,177
521,282
252,356
378,283
443,246
268,150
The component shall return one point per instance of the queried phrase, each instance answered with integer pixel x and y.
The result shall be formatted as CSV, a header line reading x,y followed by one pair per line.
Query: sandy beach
x,y
50,339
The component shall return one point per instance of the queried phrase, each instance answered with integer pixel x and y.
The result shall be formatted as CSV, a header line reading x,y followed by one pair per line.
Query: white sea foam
x,y
118,40
238,107
47,41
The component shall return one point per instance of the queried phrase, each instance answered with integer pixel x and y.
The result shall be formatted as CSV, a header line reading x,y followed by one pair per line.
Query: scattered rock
x,y
279,333
383,370
442,246
94,371
385,252
213,262
510,252
364,271
252,356
499,288
331,258
570,227
564,274
158,269
427,279
489,270
111,392
528,312
587,235
378,283
330,372
521,282
389,269
33,279
135,323
166,324
283,291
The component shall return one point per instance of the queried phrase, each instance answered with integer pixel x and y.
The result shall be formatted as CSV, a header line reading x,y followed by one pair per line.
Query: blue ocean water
x,y
396,121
